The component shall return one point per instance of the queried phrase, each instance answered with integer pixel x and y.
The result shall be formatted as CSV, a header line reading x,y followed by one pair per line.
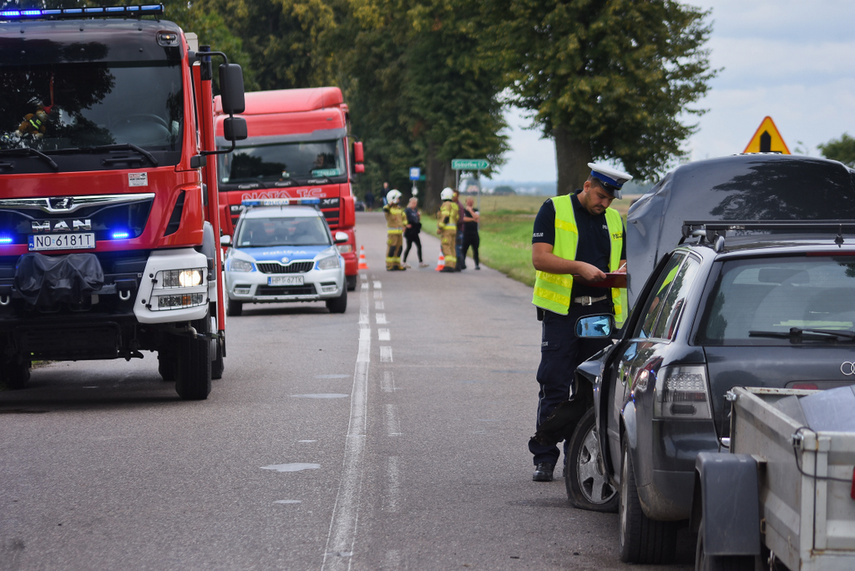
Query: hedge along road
x,y
392,436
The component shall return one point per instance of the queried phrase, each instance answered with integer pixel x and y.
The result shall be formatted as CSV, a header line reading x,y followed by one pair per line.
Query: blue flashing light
x,y
280,201
106,11
6,240
120,235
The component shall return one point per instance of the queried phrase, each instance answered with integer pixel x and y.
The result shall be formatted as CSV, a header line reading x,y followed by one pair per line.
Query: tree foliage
x,y
842,150
607,80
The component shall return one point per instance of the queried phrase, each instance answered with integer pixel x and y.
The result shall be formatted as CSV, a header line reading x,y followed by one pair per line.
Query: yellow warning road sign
x,y
767,139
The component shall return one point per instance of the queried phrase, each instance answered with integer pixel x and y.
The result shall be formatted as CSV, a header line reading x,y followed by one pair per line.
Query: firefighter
x,y
395,222
446,227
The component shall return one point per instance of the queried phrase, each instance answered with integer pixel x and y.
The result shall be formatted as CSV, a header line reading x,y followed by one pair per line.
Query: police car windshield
x,y
292,231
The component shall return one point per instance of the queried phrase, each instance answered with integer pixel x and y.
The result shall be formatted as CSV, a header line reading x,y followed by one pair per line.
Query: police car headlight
x,y
329,263
236,265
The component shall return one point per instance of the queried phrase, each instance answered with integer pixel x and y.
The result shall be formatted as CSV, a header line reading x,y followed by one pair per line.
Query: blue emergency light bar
x,y
66,13
279,202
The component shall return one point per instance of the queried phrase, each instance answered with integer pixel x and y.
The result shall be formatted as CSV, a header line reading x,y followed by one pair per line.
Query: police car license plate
x,y
285,280
75,241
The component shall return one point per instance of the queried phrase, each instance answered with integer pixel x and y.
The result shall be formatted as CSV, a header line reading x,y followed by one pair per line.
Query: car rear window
x,y
755,299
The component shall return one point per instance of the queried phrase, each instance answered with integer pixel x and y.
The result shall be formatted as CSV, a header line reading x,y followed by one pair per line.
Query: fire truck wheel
x,y
194,364
338,304
235,308
351,283
166,364
14,373
218,351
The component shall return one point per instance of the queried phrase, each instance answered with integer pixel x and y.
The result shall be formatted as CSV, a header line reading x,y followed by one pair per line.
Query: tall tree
x,y
607,79
842,150
422,94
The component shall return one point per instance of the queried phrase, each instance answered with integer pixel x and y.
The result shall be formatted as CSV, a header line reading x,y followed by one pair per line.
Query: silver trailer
x,y
784,493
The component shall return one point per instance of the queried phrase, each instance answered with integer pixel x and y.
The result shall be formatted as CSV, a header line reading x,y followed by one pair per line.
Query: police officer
x,y
576,240
395,222
446,227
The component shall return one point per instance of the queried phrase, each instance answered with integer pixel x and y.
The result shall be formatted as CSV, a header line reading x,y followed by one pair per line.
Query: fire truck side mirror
x,y
358,158
231,88
234,128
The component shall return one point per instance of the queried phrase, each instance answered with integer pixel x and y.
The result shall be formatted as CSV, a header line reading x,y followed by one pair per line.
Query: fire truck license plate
x,y
285,280
77,241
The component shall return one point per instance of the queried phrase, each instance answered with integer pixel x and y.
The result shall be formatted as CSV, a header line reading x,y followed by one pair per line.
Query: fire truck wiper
x,y
29,151
121,147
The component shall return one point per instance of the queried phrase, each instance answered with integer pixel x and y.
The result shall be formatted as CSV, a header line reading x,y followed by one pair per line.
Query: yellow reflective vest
x,y
553,291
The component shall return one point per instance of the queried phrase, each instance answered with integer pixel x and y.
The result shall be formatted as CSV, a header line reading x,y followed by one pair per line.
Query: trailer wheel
x,y
704,562
194,364
642,540
587,486
338,304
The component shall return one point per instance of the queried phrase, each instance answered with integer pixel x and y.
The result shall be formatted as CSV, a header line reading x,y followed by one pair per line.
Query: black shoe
x,y
447,269
543,472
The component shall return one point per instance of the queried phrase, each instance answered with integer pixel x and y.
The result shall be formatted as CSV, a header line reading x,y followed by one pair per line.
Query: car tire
x,y
218,351
235,308
587,486
704,562
166,363
338,304
351,283
642,540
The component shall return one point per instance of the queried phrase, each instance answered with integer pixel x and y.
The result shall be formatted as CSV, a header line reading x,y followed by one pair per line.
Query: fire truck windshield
x,y
59,109
282,164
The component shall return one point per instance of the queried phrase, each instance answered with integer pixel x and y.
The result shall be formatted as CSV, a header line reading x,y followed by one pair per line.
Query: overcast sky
x,y
792,60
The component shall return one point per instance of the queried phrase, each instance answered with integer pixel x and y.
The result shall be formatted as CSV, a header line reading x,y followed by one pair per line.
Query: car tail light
x,y
682,392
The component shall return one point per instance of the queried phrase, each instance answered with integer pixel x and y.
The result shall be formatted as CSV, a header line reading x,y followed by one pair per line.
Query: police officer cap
x,y
611,178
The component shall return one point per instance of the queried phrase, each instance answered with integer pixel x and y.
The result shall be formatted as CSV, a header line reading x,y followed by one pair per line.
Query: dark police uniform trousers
x,y
561,353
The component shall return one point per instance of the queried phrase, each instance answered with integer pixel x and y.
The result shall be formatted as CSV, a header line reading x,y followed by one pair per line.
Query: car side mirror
x,y
596,326
225,240
340,237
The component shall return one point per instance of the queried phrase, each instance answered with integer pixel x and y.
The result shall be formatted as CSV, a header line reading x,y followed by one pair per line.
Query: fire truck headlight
x,y
191,277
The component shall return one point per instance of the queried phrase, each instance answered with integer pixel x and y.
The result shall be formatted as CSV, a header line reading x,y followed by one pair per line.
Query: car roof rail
x,y
303,201
715,231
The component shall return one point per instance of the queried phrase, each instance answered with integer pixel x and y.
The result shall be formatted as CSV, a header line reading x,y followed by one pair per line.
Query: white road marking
x,y
384,335
385,354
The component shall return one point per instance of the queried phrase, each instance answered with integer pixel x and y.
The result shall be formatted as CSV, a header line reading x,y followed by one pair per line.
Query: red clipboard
x,y
613,279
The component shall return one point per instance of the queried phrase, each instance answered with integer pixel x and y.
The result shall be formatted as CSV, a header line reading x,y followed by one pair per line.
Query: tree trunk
x,y
438,175
572,156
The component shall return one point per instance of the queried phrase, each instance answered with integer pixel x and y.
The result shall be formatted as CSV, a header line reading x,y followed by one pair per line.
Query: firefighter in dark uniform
x,y
576,240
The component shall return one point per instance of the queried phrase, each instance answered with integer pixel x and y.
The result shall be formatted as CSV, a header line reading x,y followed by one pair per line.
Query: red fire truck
x,y
108,193
298,148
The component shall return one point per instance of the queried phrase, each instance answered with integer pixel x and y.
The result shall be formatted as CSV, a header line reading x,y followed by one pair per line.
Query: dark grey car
x,y
739,304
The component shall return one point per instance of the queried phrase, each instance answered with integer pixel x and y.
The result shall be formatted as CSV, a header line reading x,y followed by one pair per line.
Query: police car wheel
x,y
338,304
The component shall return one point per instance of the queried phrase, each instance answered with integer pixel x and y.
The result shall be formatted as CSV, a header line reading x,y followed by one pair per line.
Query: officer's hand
x,y
591,273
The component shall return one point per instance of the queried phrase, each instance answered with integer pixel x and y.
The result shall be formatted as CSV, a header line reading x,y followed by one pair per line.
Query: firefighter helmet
x,y
446,194
393,196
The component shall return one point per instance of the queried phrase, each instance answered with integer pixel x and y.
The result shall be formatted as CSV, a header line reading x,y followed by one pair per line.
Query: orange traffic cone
x,y
363,265
441,264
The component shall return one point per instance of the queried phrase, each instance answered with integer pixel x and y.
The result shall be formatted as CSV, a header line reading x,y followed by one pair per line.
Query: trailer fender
x,y
727,499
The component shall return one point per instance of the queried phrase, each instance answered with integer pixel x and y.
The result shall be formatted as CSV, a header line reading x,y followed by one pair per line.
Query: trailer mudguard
x,y
729,502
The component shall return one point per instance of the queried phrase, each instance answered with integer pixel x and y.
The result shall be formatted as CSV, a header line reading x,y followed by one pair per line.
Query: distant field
x,y
505,231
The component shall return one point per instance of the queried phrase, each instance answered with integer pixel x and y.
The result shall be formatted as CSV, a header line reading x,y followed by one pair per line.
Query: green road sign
x,y
470,164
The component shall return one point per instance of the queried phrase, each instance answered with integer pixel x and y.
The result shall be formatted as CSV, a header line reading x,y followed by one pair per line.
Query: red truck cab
x,y
298,148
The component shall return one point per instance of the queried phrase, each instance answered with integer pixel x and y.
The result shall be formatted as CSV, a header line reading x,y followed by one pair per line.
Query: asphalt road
x,y
389,437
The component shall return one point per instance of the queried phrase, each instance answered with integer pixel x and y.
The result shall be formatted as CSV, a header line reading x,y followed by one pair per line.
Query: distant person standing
x,y
369,200
471,219
412,230
446,227
385,193
458,244
395,221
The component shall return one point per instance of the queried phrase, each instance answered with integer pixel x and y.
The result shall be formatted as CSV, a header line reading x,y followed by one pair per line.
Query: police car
x,y
283,251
